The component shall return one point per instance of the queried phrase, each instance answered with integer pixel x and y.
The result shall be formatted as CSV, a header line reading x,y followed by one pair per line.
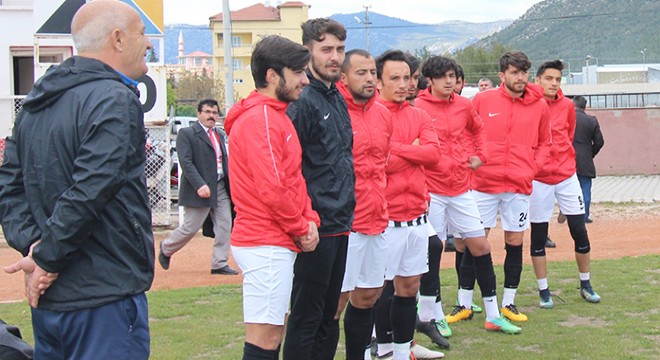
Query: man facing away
x,y
365,259
73,196
518,144
204,188
556,179
587,142
274,216
323,126
448,181
414,145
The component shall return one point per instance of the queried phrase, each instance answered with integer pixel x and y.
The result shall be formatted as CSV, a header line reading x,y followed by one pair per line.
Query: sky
x,y
197,12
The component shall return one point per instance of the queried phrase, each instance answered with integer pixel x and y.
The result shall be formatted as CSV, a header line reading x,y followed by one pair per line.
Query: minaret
x,y
180,44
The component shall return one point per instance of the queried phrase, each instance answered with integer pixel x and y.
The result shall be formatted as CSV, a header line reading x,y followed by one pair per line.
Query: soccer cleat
x,y
429,329
476,308
546,302
388,356
549,243
511,312
589,294
419,352
450,244
502,324
443,328
459,313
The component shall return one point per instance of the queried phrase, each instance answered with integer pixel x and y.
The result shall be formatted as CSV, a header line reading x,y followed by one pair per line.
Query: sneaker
x,y
588,221
162,259
459,313
546,302
443,328
429,329
450,244
476,308
420,352
561,218
549,243
503,325
511,312
589,295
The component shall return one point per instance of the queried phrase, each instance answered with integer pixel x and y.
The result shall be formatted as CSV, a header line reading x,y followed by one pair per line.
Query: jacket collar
x,y
319,86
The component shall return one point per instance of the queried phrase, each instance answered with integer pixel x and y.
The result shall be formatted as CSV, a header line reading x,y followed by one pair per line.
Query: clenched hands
x,y
36,279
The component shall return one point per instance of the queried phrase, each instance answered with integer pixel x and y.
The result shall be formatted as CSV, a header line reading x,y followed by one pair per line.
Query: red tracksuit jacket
x,y
268,189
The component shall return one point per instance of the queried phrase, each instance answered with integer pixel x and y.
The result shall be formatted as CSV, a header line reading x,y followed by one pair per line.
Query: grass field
x,y
206,323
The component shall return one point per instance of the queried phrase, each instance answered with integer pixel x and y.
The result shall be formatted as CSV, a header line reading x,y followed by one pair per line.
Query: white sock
x,y
367,354
401,351
438,313
465,298
585,276
490,305
508,297
373,331
426,304
384,348
543,283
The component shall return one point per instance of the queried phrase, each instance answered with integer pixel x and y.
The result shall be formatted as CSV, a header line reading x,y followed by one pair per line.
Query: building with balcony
x,y
248,26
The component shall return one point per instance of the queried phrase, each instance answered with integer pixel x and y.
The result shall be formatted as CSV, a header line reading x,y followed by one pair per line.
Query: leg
x,y
358,321
403,314
585,185
221,216
537,252
193,219
382,322
582,256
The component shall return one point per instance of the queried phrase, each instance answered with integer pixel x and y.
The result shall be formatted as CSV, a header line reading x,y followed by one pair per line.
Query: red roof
x,y
198,54
258,12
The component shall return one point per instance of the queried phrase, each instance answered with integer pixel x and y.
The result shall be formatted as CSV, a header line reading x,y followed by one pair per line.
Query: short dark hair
x,y
389,55
437,66
347,59
554,64
422,83
580,102
460,74
516,59
276,52
315,29
413,62
208,102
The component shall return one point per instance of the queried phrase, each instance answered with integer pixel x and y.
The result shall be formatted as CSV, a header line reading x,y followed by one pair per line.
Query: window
x,y
236,41
238,64
238,81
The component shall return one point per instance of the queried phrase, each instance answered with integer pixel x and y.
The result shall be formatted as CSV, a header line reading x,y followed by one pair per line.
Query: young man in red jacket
x,y
557,180
274,216
448,182
518,144
414,145
365,263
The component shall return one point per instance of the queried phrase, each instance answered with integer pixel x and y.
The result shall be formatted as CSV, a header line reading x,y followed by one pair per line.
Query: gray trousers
x,y
193,219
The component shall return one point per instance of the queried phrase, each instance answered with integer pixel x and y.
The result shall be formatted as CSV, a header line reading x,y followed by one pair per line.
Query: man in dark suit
x,y
203,189
587,142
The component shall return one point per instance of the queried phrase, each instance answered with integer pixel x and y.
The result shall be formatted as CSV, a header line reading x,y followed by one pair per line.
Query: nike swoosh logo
x,y
489,300
493,114
537,251
326,116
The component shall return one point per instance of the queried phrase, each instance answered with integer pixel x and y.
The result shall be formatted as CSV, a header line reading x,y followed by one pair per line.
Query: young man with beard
x,y
323,126
556,179
365,260
518,144
451,201
414,145
274,216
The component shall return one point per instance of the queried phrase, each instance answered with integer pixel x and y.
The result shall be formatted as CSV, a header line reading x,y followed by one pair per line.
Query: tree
x,y
479,62
151,56
422,54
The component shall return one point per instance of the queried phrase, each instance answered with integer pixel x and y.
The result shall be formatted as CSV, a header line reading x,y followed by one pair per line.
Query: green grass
x,y
205,323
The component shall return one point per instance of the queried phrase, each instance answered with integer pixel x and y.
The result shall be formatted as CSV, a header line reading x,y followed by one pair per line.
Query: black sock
x,y
253,352
585,283
545,293
483,270
403,316
466,276
512,266
457,263
382,312
429,284
357,328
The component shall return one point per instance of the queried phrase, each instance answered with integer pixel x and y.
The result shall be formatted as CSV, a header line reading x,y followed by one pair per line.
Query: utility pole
x,y
367,22
229,60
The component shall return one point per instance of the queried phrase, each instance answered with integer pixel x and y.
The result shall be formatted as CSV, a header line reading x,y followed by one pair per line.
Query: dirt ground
x,y
618,230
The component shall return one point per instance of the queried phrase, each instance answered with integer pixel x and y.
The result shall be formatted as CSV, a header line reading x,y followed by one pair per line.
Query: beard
x,y
323,74
283,93
512,87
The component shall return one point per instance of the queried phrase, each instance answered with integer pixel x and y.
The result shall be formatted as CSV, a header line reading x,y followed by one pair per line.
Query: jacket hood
x,y
343,90
533,93
320,86
70,73
393,106
560,97
254,99
427,96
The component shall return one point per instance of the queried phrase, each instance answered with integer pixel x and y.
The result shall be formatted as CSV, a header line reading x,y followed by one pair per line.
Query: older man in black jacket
x,y
587,142
73,195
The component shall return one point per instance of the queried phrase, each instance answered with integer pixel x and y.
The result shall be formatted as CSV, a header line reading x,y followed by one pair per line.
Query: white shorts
x,y
407,250
542,201
458,213
513,208
267,281
366,260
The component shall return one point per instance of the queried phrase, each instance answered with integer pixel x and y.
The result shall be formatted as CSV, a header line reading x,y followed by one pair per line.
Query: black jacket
x,y
587,142
198,164
73,176
323,125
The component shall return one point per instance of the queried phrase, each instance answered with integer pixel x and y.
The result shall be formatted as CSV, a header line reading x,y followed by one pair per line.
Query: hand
x,y
204,192
474,162
416,142
36,279
309,241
